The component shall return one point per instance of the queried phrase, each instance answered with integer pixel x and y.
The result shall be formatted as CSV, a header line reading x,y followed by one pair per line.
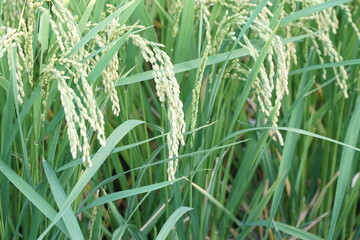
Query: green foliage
x,y
266,71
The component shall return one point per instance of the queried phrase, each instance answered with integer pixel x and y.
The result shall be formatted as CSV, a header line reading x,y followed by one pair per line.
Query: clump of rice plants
x,y
179,119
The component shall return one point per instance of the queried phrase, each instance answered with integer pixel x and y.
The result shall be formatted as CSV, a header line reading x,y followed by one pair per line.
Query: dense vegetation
x,y
179,119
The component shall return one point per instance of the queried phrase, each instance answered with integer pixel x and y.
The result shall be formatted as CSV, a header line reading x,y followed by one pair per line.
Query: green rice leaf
x,y
310,10
347,158
128,193
97,160
171,221
60,196
31,194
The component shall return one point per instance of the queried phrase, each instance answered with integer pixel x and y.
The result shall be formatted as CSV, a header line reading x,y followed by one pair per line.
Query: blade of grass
x,y
290,141
112,178
31,194
128,193
325,65
44,31
86,15
255,213
60,196
294,130
345,166
122,148
171,221
293,231
97,160
310,10
183,51
12,56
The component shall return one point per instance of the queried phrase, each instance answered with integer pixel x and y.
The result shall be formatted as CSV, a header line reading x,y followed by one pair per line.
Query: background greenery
x,y
234,181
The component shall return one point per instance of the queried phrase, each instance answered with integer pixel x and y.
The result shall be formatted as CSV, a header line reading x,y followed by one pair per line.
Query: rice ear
x,y
167,89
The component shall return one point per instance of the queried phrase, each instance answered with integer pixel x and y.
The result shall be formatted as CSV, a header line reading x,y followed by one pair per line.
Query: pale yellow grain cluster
x,y
79,104
224,31
12,38
168,89
350,19
272,79
175,9
226,25
104,39
237,70
111,32
327,24
70,72
273,76
11,12
334,56
28,29
20,36
201,69
235,6
290,48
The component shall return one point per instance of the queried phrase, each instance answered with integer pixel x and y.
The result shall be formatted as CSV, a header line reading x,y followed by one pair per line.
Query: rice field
x,y
179,119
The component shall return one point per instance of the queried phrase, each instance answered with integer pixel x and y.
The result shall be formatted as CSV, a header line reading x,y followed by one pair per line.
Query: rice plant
x,y
179,119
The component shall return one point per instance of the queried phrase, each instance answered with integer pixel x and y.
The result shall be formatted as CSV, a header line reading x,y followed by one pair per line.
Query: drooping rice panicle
x,y
201,69
175,8
9,38
246,69
80,106
168,89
